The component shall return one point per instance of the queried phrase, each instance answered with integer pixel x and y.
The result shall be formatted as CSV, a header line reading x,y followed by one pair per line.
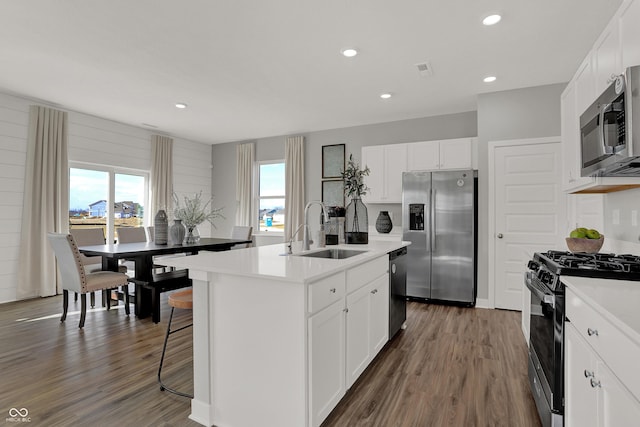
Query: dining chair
x,y
75,278
241,232
136,235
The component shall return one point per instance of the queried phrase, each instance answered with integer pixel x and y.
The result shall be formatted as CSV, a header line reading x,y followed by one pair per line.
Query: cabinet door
x,y
373,157
585,87
570,137
358,347
423,156
607,57
630,34
326,361
616,406
395,157
379,315
581,400
455,154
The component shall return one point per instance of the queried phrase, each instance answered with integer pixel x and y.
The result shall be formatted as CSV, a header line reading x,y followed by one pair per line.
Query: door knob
x,y
500,236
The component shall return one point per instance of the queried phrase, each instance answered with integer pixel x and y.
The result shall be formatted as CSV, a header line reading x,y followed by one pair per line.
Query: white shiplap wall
x,y
91,140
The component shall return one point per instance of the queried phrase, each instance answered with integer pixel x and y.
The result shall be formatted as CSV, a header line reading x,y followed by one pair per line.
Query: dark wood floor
x,y
451,367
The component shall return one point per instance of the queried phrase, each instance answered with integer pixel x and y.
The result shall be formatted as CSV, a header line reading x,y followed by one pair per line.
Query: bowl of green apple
x,y
585,240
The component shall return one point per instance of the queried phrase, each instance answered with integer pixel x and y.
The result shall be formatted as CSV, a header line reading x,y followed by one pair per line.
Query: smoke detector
x,y
424,68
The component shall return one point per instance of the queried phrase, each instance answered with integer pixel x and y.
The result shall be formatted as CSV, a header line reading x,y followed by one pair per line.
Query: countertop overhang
x,y
271,262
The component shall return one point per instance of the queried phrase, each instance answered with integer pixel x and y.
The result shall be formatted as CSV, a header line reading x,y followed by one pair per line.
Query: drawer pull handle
x,y
595,383
588,374
346,310
332,290
375,291
592,332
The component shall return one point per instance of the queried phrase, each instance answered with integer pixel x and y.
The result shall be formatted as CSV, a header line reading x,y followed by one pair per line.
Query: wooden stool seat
x,y
182,299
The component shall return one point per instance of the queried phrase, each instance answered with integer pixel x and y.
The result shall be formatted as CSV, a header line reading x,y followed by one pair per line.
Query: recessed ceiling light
x,y
349,52
491,19
386,95
181,105
489,79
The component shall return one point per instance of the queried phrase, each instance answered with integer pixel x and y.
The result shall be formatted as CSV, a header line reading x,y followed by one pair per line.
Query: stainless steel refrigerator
x,y
439,219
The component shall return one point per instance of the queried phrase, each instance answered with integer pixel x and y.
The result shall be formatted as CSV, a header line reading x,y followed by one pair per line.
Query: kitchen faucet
x,y
306,241
305,236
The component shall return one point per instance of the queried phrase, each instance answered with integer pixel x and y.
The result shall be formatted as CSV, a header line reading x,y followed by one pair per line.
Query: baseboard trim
x,y
483,303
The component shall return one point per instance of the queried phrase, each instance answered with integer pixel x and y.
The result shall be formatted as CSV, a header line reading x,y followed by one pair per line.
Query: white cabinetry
x,y
630,33
434,155
601,375
617,47
386,162
347,327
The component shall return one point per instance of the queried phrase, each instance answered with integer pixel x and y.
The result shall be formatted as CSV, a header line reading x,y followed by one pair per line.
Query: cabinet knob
x,y
375,291
592,332
346,310
588,374
500,235
595,383
332,290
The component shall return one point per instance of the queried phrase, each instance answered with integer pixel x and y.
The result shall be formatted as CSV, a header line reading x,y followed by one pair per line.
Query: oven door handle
x,y
545,298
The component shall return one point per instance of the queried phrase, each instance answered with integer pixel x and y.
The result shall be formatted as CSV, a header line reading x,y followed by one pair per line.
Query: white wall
x,y
93,140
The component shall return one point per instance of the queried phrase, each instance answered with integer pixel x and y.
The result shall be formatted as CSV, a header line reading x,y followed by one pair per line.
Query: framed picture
x,y
333,193
332,161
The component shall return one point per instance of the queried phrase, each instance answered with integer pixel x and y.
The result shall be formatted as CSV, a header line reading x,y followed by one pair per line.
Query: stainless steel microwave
x,y
608,144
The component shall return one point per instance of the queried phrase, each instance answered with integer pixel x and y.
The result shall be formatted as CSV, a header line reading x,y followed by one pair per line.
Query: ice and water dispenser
x,y
416,216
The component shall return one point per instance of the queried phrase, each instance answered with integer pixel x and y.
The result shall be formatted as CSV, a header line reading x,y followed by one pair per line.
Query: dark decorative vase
x,y
161,228
356,222
383,223
177,232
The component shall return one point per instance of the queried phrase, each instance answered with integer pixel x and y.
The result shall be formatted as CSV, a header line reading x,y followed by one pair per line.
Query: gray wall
x,y
514,114
272,148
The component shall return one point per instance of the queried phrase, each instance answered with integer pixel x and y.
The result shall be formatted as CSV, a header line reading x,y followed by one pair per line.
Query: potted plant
x,y
194,212
356,217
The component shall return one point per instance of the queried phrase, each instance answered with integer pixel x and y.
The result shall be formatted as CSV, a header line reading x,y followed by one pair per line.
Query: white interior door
x,y
529,211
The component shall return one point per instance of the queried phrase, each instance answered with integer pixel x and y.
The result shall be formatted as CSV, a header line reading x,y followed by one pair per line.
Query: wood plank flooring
x,y
452,367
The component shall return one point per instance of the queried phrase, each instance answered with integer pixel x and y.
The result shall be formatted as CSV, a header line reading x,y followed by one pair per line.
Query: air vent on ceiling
x,y
424,68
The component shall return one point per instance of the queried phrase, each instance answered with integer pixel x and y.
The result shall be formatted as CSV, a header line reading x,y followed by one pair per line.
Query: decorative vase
x,y
161,228
356,222
177,232
383,223
193,235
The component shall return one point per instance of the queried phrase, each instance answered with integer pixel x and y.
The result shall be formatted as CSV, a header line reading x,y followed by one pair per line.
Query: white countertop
x,y
617,300
269,261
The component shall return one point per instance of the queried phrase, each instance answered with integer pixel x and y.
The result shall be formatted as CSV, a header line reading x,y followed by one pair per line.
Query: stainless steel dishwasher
x,y
397,290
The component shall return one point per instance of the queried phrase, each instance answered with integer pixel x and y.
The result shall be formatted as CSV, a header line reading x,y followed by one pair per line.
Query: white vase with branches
x,y
193,211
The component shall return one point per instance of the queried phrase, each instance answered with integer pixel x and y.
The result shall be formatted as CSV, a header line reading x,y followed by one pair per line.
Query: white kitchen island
x,y
278,340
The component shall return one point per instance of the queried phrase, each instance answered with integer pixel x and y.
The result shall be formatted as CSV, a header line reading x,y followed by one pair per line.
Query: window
x,y
271,196
102,196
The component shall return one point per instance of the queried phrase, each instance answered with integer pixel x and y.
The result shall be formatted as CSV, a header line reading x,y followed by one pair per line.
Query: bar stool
x,y
184,300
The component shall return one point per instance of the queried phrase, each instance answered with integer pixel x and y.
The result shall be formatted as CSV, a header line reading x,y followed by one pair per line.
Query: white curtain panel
x,y
161,175
294,184
46,201
245,154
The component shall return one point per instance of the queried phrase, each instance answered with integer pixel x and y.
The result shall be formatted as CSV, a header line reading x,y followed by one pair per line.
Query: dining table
x,y
149,284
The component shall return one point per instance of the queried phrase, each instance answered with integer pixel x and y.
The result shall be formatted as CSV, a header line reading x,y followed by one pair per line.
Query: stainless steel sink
x,y
332,253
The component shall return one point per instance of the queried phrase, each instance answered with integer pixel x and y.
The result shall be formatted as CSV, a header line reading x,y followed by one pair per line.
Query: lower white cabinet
x,y
593,394
367,325
326,360
345,336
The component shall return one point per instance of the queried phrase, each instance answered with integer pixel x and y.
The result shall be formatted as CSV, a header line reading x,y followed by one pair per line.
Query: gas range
x,y
549,266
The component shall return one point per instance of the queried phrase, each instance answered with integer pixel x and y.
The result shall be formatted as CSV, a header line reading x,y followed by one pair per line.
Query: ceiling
x,y
251,69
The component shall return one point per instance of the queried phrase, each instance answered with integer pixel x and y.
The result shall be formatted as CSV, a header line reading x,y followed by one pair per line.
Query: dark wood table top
x,y
130,250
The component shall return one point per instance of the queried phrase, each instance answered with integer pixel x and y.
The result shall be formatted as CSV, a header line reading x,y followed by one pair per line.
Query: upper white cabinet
x,y
386,163
630,33
434,155
617,47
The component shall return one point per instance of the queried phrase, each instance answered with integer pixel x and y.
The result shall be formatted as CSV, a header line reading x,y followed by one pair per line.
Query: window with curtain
x,y
93,189
271,196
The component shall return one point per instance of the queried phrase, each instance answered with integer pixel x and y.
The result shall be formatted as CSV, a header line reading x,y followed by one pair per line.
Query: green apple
x,y
593,234
578,234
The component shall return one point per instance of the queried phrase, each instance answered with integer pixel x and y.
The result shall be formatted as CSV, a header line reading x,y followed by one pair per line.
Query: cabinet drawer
x,y
365,273
616,349
326,291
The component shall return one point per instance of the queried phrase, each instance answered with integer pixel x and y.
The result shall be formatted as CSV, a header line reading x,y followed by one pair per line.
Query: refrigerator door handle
x,y
432,229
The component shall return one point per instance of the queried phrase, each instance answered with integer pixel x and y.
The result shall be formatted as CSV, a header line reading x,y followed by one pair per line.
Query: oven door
x,y
546,340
